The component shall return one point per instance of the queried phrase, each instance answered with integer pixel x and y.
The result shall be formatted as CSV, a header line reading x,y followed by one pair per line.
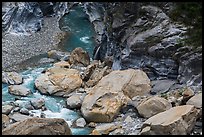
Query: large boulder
x,y
38,126
178,120
153,106
19,90
196,101
104,100
37,103
12,78
58,81
75,100
79,57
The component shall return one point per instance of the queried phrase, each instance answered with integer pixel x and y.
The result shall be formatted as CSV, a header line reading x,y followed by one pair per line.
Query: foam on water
x,y
56,106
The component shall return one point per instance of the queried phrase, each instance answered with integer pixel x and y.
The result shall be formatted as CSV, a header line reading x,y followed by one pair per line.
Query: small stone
x,y
6,109
37,103
80,122
92,125
24,111
128,119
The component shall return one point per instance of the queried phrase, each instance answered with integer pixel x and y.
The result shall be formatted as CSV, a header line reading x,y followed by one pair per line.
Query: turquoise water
x,y
81,31
56,106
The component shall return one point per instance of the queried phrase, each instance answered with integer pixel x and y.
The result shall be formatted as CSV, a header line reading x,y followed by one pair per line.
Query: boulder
x,y
79,57
153,106
58,55
19,90
178,120
23,104
58,81
37,103
96,76
75,101
12,78
196,101
19,117
63,64
24,111
187,94
6,109
105,99
38,126
104,129
80,122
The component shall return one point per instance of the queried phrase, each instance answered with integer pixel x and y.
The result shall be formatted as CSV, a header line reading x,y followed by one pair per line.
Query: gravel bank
x,y
16,49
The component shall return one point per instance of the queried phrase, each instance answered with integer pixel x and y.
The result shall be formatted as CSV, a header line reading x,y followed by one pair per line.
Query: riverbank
x,y
17,49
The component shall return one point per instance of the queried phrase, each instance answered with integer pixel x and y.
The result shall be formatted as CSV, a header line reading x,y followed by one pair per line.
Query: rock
x,y
187,93
23,104
24,111
90,69
196,101
80,122
75,101
5,121
79,57
139,83
38,126
37,103
104,129
58,81
153,106
92,124
161,86
19,117
58,55
6,109
118,131
16,109
63,64
96,76
12,78
19,90
128,119
178,120
105,99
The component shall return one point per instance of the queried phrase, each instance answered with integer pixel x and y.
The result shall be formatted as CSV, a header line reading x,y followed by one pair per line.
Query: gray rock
x,y
161,86
75,100
12,78
19,117
19,90
80,122
23,104
6,109
37,103
24,111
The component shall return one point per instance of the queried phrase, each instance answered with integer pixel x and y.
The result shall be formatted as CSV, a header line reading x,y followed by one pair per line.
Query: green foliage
x,y
190,14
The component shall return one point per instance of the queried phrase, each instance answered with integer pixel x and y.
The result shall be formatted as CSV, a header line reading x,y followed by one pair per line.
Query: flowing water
x,y
56,107
80,30
81,34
